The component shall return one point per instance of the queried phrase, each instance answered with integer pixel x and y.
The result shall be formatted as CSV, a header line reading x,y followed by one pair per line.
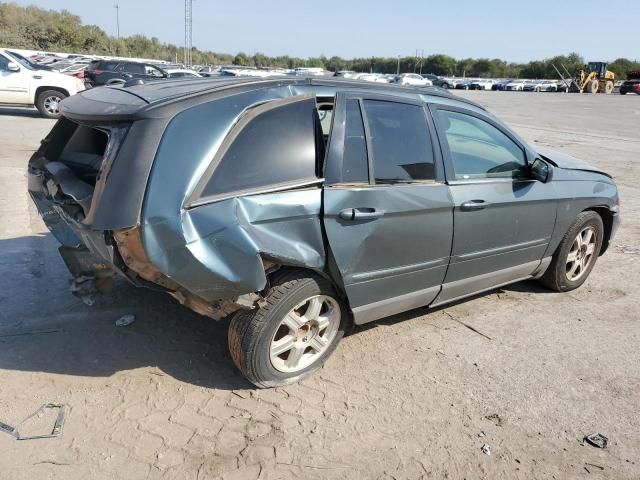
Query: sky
x,y
517,31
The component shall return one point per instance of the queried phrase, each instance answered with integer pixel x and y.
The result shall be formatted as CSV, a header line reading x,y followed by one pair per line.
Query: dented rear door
x,y
388,215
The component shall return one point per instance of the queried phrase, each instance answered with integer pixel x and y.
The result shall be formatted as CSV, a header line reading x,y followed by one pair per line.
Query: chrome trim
x,y
245,193
390,272
499,250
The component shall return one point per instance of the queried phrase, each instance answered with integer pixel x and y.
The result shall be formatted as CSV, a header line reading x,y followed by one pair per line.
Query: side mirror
x,y
541,171
13,66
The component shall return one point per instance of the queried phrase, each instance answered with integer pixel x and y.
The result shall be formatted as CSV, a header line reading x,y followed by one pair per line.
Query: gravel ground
x,y
414,396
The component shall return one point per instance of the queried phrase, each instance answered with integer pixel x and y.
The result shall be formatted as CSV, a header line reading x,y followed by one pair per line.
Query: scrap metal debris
x,y
56,431
597,440
125,320
486,449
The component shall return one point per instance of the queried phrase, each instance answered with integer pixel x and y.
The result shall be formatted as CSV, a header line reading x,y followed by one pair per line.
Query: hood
x,y
562,160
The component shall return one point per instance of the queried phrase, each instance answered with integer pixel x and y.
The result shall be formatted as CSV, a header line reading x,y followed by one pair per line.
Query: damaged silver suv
x,y
298,206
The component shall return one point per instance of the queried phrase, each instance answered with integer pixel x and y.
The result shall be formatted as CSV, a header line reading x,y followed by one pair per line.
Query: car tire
x,y
48,103
258,339
576,255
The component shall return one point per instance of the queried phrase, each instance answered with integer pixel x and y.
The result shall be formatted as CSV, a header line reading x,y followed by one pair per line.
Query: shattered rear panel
x,y
217,250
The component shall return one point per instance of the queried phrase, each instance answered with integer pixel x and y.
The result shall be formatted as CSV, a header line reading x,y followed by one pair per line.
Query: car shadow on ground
x,y
21,112
527,286
44,328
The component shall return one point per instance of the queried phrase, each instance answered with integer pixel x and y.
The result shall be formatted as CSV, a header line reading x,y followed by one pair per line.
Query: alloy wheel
x,y
581,254
305,333
52,104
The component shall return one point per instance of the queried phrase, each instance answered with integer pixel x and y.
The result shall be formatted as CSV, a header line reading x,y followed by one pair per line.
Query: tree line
x,y
48,30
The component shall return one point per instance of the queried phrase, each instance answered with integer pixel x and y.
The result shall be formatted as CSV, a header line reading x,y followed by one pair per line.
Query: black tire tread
x,y
246,325
551,277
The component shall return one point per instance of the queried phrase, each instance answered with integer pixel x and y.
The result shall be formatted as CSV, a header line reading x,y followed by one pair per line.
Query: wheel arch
x,y
282,270
607,221
44,88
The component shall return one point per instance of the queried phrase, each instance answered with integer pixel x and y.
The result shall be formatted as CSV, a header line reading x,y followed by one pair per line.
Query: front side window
x,y
4,63
272,145
400,140
480,150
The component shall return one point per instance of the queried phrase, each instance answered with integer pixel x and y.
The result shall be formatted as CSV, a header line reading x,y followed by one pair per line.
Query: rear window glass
x,y
275,145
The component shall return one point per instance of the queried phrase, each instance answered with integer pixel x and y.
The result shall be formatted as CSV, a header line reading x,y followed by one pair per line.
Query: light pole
x,y
118,20
398,69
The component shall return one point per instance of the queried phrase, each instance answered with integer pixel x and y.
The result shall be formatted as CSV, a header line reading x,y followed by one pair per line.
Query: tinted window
x,y
276,146
107,65
402,149
354,161
4,63
480,150
134,68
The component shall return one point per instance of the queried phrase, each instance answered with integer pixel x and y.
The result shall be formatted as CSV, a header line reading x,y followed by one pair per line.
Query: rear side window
x,y
400,140
110,66
480,150
134,68
271,145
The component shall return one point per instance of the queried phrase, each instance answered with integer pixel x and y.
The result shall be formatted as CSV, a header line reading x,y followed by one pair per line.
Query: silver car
x,y
300,206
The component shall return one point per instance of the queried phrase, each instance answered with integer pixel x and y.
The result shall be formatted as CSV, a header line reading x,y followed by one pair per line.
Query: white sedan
x,y
413,79
182,73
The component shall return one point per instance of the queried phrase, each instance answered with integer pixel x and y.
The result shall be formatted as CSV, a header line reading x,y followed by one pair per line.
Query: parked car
x,y
413,79
515,86
117,72
182,73
632,85
482,84
22,59
23,85
463,84
438,81
501,85
298,227
541,86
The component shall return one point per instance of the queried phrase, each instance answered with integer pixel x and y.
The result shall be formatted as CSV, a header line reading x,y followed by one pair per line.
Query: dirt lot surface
x,y
414,396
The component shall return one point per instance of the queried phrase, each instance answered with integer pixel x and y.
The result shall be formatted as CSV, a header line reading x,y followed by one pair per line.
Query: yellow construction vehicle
x,y
593,78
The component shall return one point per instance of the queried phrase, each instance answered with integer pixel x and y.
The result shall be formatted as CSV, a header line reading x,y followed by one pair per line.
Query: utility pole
x,y
118,20
188,26
398,69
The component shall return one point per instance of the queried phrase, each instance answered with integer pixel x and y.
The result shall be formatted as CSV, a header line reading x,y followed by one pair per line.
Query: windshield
x,y
21,60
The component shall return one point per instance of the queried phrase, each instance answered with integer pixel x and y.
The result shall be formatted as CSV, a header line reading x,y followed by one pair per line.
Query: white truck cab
x,y
22,85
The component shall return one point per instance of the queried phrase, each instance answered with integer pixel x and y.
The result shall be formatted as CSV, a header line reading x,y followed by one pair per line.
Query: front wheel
x,y
292,335
48,103
576,255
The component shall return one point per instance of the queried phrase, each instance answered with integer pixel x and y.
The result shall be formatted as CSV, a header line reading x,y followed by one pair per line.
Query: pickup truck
x,y
22,85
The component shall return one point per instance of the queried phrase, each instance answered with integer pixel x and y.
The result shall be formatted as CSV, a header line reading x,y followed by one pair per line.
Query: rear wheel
x,y
292,335
48,103
576,255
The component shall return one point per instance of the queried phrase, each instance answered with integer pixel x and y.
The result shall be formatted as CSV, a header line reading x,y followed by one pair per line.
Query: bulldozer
x,y
593,78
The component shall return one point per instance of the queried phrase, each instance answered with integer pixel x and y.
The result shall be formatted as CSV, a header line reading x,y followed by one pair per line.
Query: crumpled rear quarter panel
x,y
215,250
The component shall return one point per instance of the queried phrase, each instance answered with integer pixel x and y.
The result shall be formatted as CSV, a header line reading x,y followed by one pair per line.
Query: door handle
x,y
360,213
474,205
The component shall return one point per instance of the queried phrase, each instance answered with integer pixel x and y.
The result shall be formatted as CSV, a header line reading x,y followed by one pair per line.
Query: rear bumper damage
x,y
95,257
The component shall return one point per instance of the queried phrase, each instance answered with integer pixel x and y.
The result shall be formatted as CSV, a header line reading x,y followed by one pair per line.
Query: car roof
x,y
127,101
